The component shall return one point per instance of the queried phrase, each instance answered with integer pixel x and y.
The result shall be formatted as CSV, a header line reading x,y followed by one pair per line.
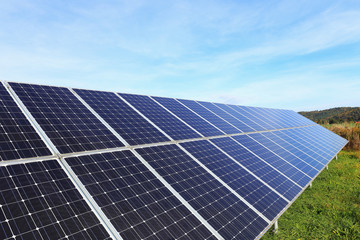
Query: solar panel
x,y
140,167
163,119
256,112
272,159
289,152
274,178
65,120
232,111
135,201
210,116
246,185
120,116
198,123
227,117
305,148
18,139
274,117
39,201
222,209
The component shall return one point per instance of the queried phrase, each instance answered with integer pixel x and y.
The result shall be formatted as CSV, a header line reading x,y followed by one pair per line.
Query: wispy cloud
x,y
226,50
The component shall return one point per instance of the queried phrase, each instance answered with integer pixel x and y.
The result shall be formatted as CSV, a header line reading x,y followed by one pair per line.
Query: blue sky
x,y
300,55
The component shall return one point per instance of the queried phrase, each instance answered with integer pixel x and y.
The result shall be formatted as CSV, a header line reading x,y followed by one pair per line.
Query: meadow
x,y
330,209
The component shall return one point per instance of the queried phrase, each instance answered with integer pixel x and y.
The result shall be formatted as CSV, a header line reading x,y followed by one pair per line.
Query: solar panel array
x,y
83,164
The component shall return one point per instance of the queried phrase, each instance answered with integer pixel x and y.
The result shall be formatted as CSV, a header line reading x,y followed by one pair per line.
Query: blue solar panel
x,y
303,148
303,157
226,116
295,149
286,120
272,115
122,118
246,185
326,141
257,166
136,202
253,115
310,139
210,116
231,109
281,151
328,138
18,139
160,117
298,118
215,203
196,122
204,183
38,201
65,120
280,164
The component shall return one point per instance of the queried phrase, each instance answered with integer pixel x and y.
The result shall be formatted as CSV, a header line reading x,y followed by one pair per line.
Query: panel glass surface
x,y
210,116
249,113
257,166
257,112
289,136
136,202
231,109
122,118
246,185
65,120
18,139
227,117
272,159
160,117
39,201
310,138
196,122
289,153
213,201
314,156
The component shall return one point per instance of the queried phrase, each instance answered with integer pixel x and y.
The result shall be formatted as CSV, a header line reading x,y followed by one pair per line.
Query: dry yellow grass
x,y
350,131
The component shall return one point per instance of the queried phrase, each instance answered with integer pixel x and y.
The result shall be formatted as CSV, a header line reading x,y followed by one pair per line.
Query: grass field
x,y
330,209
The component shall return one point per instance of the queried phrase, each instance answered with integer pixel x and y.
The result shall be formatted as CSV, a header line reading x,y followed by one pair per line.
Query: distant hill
x,y
334,115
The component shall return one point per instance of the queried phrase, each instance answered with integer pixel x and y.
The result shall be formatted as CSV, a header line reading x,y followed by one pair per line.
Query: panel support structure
x,y
276,227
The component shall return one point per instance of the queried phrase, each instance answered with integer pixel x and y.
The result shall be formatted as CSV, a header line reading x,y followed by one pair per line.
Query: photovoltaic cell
x,y
38,201
122,118
250,113
246,185
18,139
280,164
214,202
310,139
280,150
226,116
160,117
210,116
189,117
231,109
295,149
257,166
65,120
136,202
330,140
303,147
271,116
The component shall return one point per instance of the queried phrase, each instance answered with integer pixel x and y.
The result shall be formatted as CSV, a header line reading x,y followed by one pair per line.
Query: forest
x,y
334,115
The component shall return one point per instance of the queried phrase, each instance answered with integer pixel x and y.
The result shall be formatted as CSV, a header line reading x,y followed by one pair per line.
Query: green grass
x,y
330,209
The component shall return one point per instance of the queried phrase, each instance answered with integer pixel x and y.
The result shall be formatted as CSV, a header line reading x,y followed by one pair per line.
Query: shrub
x,y
351,132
